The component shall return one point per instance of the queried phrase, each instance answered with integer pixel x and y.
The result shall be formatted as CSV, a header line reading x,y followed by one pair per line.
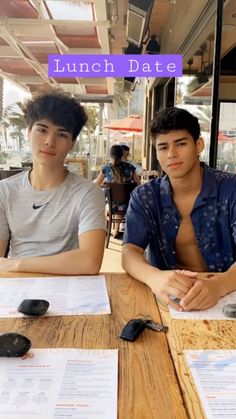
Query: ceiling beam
x,y
43,14
7,52
103,36
24,53
36,79
60,22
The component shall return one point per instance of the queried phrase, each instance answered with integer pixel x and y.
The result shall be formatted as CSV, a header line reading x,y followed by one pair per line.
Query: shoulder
x,y
128,165
219,183
106,166
148,189
220,176
13,182
83,186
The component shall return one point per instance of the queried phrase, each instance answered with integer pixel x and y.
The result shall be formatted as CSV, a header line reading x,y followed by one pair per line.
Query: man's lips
x,y
47,152
176,164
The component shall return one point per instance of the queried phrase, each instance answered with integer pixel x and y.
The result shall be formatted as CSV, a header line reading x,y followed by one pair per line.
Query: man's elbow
x,y
124,258
94,270
94,265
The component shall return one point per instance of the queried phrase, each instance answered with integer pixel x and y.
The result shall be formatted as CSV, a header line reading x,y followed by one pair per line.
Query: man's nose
x,y
172,152
50,140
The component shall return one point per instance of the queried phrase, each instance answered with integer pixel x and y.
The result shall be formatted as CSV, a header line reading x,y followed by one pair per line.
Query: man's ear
x,y
200,145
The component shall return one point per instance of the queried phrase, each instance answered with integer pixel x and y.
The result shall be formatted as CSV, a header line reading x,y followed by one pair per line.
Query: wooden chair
x,y
7,173
27,164
116,192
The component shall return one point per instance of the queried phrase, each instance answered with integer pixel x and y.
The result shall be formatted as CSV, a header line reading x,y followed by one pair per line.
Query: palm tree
x,y
1,107
203,113
13,117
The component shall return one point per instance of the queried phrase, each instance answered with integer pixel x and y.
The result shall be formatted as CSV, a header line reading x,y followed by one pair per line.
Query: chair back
x,y
120,192
7,173
117,193
27,164
15,168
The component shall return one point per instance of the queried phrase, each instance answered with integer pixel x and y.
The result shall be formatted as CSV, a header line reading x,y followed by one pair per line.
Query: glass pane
x,y
200,107
226,154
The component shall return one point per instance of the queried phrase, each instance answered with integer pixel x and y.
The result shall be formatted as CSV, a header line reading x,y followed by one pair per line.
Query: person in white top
x,y
51,217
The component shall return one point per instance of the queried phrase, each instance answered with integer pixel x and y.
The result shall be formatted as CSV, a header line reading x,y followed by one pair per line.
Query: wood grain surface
x,y
195,334
148,386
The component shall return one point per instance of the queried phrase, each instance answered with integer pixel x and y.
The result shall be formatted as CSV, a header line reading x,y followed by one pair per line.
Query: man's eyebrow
x,y
46,126
175,141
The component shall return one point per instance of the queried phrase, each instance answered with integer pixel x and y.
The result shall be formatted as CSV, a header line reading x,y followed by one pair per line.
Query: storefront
x,y
204,33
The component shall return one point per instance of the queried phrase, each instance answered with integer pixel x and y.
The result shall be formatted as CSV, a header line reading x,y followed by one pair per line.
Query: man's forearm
x,y
73,262
227,280
137,266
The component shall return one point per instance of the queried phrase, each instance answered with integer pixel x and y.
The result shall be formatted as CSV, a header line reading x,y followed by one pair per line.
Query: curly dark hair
x,y
57,106
169,119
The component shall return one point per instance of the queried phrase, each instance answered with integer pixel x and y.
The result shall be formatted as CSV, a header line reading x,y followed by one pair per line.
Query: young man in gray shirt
x,y
53,218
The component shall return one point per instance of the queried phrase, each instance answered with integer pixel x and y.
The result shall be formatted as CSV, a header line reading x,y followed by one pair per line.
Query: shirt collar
x,y
209,187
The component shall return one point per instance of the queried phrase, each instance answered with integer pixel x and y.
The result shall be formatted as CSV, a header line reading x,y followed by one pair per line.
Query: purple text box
x,y
147,65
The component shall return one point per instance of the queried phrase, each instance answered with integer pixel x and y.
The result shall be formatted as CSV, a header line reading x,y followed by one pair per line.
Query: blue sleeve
x,y
138,228
233,215
104,169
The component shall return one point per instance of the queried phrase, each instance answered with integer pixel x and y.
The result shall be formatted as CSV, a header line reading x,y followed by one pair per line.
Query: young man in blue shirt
x,y
186,220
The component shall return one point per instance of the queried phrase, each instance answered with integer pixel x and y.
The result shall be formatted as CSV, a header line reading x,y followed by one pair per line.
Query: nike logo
x,y
34,206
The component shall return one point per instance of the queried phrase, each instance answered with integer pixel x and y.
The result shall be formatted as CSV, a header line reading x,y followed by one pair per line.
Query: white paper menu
x,y
60,383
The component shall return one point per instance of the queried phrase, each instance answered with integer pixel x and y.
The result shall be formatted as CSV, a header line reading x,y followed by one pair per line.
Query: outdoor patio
x,y
112,256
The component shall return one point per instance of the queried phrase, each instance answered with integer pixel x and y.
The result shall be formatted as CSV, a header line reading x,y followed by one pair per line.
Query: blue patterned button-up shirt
x,y
152,220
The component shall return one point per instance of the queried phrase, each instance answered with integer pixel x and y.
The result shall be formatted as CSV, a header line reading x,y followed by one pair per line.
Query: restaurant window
x,y
226,150
192,100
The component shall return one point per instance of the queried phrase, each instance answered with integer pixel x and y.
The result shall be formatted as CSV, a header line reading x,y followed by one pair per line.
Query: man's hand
x,y
204,294
174,283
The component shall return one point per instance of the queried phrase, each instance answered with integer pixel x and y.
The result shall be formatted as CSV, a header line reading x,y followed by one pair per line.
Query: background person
x,y
125,158
117,171
187,220
52,217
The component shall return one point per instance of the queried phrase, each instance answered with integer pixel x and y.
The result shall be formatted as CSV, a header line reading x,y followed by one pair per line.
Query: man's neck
x,y
43,178
190,184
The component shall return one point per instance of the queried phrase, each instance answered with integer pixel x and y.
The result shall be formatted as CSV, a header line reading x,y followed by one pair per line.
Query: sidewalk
x,y
112,256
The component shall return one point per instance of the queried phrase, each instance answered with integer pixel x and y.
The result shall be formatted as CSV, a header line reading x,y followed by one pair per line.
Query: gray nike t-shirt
x,y
48,222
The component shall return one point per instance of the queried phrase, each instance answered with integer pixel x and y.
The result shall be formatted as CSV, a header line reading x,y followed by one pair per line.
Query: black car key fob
x,y
229,310
132,329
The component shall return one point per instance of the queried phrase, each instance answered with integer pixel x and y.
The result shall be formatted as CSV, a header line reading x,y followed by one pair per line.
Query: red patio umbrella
x,y
223,138
132,123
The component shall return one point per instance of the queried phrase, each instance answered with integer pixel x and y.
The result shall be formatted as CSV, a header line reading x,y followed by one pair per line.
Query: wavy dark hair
x,y
58,107
116,153
169,119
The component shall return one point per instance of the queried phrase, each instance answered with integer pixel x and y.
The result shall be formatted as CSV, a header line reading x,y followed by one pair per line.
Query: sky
x,y
12,94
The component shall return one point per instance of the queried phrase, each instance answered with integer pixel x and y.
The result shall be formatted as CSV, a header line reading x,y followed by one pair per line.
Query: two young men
x,y
186,220
53,218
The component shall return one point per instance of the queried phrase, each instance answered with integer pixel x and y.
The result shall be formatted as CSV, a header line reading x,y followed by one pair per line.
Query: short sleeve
x,y
92,211
4,227
233,216
138,229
